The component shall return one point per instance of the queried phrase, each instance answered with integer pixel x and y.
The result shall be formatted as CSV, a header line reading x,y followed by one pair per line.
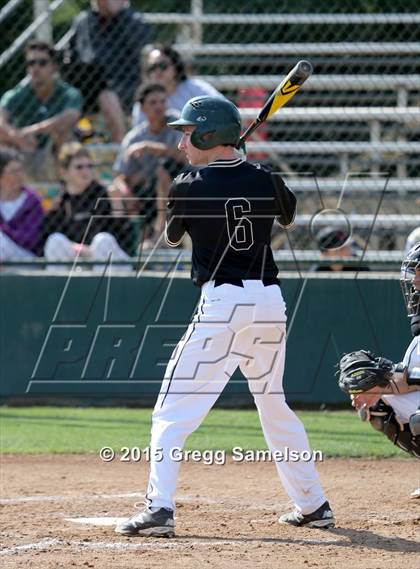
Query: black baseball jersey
x,y
228,209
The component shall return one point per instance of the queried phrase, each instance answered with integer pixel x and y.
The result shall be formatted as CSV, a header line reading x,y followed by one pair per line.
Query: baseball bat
x,y
283,93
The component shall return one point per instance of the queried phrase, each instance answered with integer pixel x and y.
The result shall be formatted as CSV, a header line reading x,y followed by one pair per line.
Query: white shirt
x,y
8,208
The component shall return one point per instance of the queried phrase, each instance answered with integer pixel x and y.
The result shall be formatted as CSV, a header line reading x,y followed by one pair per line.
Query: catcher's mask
x,y
408,270
216,119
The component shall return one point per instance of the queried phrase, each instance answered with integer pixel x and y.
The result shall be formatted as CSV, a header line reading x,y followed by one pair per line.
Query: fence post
x,y
402,102
44,32
344,165
375,137
197,28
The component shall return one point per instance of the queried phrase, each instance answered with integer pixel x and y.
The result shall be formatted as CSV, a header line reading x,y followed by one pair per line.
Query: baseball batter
x,y
228,208
385,394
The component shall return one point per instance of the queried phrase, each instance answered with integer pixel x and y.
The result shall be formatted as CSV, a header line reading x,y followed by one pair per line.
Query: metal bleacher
x,y
355,122
358,113
339,130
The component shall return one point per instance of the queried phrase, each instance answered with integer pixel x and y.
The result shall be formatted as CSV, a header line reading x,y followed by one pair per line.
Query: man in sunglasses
x,y
39,116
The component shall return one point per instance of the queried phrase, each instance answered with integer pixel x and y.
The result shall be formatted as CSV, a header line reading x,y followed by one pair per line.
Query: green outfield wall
x,y
98,338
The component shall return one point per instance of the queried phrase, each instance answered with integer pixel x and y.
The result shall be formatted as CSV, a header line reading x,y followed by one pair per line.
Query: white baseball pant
x,y
232,326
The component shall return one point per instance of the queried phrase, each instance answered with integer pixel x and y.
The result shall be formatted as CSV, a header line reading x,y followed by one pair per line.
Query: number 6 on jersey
x,y
241,236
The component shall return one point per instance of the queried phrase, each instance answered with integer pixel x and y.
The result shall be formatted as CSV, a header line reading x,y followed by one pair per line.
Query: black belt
x,y
238,282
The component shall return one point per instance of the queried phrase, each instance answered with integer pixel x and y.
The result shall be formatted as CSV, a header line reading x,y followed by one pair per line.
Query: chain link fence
x,y
82,119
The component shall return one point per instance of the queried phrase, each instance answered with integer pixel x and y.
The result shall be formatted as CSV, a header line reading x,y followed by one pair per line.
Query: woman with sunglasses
x,y
80,225
164,65
21,212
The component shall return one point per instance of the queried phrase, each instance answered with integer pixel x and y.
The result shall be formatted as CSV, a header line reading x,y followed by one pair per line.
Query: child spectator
x,y
80,223
104,59
21,212
39,116
164,65
148,159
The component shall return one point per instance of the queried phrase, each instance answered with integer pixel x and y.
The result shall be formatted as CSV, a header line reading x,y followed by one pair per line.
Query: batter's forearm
x,y
285,202
175,227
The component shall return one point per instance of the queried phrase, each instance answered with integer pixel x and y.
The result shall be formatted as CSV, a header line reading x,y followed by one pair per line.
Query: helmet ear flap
x,y
202,140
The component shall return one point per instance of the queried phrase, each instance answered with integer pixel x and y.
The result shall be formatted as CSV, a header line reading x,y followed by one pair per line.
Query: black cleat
x,y
321,518
150,524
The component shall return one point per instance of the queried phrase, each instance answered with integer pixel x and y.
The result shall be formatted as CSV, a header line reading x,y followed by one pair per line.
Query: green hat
x,y
217,120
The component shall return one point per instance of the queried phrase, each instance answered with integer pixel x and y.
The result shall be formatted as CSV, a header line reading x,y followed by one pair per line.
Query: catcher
x,y
387,394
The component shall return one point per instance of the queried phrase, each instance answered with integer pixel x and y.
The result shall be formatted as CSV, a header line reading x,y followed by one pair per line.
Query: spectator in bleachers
x,y
104,59
81,223
38,116
164,65
21,211
148,160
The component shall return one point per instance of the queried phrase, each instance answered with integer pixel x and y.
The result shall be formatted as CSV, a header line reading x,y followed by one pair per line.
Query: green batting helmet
x,y
217,120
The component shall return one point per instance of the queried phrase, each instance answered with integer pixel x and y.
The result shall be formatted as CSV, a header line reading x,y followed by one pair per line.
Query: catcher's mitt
x,y
362,370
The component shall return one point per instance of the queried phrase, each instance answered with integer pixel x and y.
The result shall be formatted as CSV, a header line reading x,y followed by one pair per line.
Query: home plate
x,y
96,521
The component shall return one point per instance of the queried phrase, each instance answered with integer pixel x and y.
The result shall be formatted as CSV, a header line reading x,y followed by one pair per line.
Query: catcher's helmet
x,y
216,119
408,270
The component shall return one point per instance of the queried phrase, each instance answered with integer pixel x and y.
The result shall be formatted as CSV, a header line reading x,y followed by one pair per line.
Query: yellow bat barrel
x,y
287,88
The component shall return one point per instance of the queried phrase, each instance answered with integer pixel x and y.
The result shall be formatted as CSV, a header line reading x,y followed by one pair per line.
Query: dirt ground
x,y
226,516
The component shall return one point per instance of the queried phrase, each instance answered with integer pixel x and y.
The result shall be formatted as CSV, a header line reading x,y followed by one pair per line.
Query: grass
x,y
86,430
